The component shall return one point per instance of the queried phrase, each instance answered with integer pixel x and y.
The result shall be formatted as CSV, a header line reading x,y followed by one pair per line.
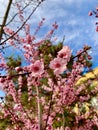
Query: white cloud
x,y
72,18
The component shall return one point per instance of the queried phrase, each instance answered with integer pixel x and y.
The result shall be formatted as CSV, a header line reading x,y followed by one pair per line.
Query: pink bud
x,y
90,13
18,69
97,8
97,15
97,29
2,80
89,57
43,19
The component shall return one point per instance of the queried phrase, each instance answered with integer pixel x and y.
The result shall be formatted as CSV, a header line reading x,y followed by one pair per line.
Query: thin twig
x,y
39,109
22,24
5,19
49,109
17,13
85,50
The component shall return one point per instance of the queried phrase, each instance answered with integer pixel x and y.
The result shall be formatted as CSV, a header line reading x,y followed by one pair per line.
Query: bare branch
x,y
88,48
17,13
5,19
22,24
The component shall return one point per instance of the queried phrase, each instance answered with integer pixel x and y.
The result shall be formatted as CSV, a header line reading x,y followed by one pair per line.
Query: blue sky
x,y
73,20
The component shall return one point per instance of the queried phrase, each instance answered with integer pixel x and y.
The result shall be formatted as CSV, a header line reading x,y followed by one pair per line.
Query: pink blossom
x,y
37,68
65,53
27,28
8,30
29,40
97,8
97,29
95,120
18,69
55,25
90,13
58,65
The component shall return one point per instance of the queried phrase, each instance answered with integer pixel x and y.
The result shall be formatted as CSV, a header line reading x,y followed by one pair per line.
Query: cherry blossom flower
x,y
37,68
65,53
58,65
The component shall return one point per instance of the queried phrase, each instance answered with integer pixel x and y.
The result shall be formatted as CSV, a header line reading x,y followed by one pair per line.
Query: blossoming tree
x,y
43,94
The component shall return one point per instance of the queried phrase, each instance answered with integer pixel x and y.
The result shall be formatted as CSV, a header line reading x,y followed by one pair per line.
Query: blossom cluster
x,y
52,101
43,94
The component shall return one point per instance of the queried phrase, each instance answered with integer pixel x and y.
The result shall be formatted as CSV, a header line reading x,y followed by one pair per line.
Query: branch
x,y
22,24
49,109
39,109
50,105
17,13
86,49
12,76
5,19
27,73
11,112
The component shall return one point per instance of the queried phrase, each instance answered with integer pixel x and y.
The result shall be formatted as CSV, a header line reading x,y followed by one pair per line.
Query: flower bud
x,y
90,13
97,8
18,69
97,29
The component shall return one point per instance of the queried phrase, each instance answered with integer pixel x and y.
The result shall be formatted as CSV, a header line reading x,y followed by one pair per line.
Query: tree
x,y
43,94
